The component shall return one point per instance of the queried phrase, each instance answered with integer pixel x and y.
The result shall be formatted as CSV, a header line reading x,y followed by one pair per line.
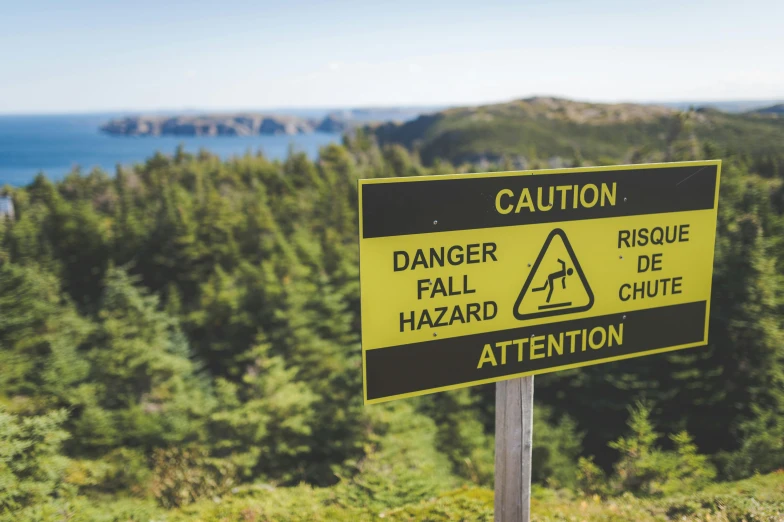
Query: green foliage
x,y
557,447
263,424
119,510
142,390
464,439
759,499
464,505
31,466
40,336
184,475
401,463
644,469
762,449
461,435
122,469
641,467
693,470
591,479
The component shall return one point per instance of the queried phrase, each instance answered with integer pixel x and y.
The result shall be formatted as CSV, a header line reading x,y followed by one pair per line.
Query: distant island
x,y
222,125
253,123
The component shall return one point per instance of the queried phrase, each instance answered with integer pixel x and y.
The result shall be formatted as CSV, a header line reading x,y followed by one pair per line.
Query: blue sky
x,y
78,56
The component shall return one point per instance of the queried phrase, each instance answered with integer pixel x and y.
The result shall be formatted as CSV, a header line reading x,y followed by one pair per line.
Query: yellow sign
x,y
470,279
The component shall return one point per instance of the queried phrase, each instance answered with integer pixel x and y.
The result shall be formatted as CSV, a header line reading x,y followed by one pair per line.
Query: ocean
x,y
55,145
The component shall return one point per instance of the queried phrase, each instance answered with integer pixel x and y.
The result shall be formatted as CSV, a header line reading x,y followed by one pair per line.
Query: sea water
x,y
57,144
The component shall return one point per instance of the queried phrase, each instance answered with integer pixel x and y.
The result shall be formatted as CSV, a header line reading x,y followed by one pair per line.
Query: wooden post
x,y
514,423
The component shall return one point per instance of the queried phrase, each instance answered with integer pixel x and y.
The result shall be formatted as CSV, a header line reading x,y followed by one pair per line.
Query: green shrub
x,y
556,450
464,505
119,509
644,469
461,435
762,450
401,464
263,502
123,469
31,467
591,480
183,475
692,471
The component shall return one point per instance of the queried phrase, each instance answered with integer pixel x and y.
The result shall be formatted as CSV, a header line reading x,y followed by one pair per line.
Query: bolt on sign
x,y
471,279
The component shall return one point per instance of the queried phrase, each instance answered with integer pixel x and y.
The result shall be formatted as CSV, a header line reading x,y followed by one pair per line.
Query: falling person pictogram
x,y
555,262
552,278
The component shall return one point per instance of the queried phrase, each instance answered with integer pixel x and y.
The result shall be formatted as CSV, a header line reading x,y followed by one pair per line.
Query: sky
x,y
141,55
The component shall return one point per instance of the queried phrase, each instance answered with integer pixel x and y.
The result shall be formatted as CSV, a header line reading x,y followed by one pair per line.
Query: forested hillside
x,y
180,340
558,132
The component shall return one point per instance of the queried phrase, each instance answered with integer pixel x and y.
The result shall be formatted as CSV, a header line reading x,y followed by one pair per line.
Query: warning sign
x,y
471,279
555,265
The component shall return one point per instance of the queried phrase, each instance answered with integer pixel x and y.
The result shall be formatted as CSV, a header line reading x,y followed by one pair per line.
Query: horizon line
x,y
413,106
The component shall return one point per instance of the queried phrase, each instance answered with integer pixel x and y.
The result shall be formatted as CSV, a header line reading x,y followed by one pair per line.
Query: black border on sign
x,y
536,315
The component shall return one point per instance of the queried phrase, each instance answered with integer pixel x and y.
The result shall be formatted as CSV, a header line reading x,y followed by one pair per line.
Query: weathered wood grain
x,y
514,403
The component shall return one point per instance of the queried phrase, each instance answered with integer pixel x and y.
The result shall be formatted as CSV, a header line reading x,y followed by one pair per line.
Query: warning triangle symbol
x,y
556,284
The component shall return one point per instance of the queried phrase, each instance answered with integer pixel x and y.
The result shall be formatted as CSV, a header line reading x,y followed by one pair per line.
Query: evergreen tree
x,y
142,390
